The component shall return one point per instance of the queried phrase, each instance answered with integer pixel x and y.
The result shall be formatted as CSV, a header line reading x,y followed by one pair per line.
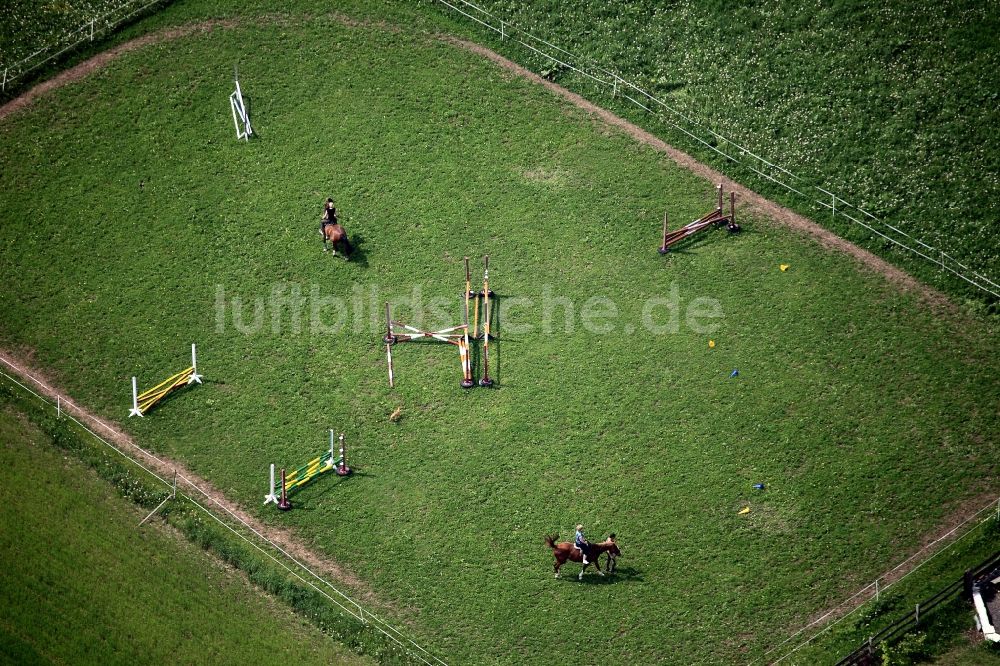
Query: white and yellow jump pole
x,y
143,402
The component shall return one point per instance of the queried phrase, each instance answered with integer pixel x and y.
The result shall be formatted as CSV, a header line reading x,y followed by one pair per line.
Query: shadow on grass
x,y
358,256
620,576
327,488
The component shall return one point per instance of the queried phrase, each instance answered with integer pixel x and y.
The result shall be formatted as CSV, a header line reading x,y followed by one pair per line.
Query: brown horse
x,y
566,551
334,233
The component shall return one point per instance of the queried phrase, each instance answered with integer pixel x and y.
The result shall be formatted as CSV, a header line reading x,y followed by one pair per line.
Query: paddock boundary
x,y
874,589
297,569
819,198
98,26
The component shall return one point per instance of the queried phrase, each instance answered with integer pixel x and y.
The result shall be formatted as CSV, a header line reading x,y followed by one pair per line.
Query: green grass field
x,y
971,655
84,584
870,418
891,107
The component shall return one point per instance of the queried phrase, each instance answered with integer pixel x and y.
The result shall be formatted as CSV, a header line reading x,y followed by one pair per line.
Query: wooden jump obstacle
x,y
714,218
301,476
487,297
145,401
396,332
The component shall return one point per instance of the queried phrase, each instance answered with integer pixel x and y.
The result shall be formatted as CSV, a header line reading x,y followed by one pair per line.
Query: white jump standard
x,y
240,114
145,401
306,473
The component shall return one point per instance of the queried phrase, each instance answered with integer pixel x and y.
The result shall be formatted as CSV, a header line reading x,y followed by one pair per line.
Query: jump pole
x,y
388,355
463,354
485,381
463,349
271,496
468,285
714,218
389,337
663,248
152,396
195,377
475,326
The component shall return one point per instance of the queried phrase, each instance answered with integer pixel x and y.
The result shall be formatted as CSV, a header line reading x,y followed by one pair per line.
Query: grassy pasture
x,y
890,106
870,418
83,584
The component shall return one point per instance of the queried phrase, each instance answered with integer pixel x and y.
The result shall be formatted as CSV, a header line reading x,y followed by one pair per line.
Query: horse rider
x,y
329,216
581,542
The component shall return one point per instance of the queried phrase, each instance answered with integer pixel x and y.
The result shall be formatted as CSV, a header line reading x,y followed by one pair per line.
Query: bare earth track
x,y
284,537
166,468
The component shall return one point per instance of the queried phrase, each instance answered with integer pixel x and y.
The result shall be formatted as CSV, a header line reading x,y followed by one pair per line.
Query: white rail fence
x,y
98,26
820,198
181,485
887,580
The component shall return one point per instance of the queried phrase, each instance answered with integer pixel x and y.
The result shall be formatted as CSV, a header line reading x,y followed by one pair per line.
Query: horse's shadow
x,y
358,255
248,104
620,575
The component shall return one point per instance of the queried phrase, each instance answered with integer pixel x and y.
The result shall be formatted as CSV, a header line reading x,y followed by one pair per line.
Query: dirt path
x,y
100,60
198,488
747,197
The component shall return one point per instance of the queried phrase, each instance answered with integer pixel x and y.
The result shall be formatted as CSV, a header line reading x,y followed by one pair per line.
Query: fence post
x,y
917,614
58,407
876,589
4,89
91,29
502,34
614,90
833,207
967,584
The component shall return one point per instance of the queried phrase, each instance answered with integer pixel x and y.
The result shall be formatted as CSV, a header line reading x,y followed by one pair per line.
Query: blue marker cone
x,y
758,486
734,374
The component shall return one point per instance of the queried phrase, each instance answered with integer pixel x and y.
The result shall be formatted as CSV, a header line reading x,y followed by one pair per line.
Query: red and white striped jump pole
x,y
463,349
284,504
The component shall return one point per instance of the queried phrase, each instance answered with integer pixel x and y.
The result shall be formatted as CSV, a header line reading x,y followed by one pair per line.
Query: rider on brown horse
x,y
582,544
329,216
568,552
331,231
